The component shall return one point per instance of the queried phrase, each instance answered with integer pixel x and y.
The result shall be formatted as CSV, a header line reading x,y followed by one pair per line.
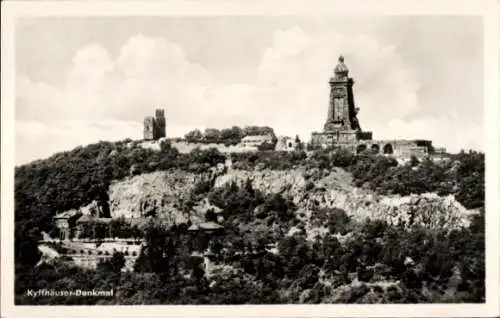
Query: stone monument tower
x,y
342,129
342,126
341,111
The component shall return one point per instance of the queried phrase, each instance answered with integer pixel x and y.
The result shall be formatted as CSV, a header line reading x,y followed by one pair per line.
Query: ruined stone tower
x,y
160,123
155,127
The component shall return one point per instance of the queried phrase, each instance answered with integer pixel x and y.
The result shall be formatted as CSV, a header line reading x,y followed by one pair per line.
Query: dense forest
x,y
419,265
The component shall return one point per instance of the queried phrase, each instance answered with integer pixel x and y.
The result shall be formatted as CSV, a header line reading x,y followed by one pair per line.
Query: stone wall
x,y
398,148
332,138
91,261
285,143
349,140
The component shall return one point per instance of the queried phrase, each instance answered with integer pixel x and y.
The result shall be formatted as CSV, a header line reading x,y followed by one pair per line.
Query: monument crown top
x,y
341,70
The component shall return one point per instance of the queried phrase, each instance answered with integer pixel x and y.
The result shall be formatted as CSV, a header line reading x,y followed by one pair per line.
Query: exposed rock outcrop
x,y
335,190
158,193
163,193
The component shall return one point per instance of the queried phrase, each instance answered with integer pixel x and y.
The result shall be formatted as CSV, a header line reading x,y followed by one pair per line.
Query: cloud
x,y
35,139
35,101
106,97
443,131
295,70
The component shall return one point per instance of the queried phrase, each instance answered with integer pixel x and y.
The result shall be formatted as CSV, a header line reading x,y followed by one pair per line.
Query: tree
x,y
194,136
414,161
236,133
212,135
343,158
470,179
114,264
258,130
299,145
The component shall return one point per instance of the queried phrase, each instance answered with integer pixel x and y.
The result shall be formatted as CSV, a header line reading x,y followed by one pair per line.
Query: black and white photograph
x,y
249,159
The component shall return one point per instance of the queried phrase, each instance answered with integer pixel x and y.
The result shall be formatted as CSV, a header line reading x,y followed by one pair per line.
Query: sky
x,y
80,80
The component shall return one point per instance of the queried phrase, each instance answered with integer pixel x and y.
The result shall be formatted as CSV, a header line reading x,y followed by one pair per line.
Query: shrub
x,y
343,158
414,161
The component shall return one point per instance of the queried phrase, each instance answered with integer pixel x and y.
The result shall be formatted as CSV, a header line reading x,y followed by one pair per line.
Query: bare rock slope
x,y
160,193
164,192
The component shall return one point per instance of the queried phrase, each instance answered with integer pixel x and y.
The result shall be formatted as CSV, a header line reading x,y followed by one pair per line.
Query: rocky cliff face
x,y
158,193
164,192
311,189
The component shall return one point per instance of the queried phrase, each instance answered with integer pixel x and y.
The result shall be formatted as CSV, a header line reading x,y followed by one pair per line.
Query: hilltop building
x,y
286,143
155,127
256,140
343,130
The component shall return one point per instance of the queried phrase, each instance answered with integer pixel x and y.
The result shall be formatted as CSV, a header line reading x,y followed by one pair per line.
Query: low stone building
x,y
204,239
343,130
93,227
65,222
286,143
204,235
256,141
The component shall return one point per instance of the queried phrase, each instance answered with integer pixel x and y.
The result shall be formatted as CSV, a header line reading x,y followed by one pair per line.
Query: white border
x,y
487,9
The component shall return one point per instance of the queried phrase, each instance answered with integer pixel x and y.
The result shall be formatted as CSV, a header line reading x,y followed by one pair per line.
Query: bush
x,y
343,158
274,160
227,136
414,161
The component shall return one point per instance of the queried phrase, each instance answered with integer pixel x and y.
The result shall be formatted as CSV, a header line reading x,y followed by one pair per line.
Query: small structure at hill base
x,y
204,239
155,127
100,226
343,130
65,222
204,235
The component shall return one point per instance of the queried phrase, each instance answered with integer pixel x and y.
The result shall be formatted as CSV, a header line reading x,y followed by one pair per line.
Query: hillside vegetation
x,y
328,226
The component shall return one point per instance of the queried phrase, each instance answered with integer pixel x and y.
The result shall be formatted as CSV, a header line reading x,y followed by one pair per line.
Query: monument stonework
x,y
343,130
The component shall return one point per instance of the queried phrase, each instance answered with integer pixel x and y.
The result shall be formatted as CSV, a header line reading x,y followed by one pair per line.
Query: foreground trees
x,y
266,253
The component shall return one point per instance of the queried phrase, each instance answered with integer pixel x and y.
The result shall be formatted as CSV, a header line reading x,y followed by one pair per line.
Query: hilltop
x,y
300,227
